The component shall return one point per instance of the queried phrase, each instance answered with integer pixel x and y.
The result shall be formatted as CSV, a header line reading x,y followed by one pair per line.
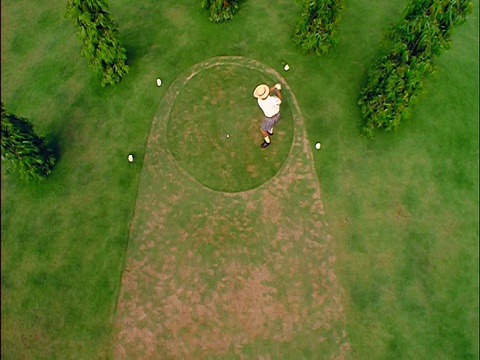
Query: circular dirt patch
x,y
214,130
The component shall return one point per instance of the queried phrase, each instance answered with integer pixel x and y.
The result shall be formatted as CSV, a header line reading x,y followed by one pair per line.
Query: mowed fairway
x,y
402,209
213,273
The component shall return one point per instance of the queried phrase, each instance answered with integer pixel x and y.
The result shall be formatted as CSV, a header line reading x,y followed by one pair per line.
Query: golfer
x,y
270,106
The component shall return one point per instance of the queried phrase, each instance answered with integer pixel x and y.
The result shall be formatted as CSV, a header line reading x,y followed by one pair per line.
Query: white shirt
x,y
270,106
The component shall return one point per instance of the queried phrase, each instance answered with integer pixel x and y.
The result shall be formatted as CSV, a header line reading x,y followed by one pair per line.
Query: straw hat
x,y
261,92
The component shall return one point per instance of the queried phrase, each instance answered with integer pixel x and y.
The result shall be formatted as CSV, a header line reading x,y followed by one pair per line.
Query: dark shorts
x,y
269,122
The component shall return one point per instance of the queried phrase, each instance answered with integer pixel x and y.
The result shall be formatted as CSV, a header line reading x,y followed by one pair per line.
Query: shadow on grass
x,y
53,140
134,53
137,45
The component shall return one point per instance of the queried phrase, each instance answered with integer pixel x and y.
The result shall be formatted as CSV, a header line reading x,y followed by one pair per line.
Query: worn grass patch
x,y
214,129
246,274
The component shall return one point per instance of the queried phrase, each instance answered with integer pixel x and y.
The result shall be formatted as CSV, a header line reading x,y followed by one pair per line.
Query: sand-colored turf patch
x,y
229,275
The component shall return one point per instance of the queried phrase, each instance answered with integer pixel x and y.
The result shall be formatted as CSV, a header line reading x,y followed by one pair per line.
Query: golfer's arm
x,y
279,93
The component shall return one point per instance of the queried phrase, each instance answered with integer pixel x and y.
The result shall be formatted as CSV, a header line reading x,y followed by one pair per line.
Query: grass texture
x,y
216,103
402,209
228,274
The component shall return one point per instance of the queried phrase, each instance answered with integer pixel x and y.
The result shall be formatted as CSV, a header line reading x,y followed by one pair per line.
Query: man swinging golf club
x,y
270,106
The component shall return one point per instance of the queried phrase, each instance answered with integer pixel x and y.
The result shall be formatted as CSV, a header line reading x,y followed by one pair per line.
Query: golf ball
x,y
286,67
228,135
318,146
130,158
159,82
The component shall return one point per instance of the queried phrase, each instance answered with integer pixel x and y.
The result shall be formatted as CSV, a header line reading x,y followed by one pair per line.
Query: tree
x,y
98,33
396,79
24,150
316,27
220,10
427,25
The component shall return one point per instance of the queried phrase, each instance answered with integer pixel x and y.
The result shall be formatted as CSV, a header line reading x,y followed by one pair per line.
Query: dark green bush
x,y
393,84
427,25
98,33
220,10
24,150
316,26
396,80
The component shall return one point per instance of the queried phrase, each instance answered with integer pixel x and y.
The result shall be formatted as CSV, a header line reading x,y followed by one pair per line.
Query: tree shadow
x,y
137,45
53,141
134,52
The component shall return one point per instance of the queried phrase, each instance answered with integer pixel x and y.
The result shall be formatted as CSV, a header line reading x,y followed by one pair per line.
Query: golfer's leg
x,y
265,136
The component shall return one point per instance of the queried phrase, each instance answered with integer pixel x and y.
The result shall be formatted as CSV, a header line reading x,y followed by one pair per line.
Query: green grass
x,y
188,240
402,208
215,103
